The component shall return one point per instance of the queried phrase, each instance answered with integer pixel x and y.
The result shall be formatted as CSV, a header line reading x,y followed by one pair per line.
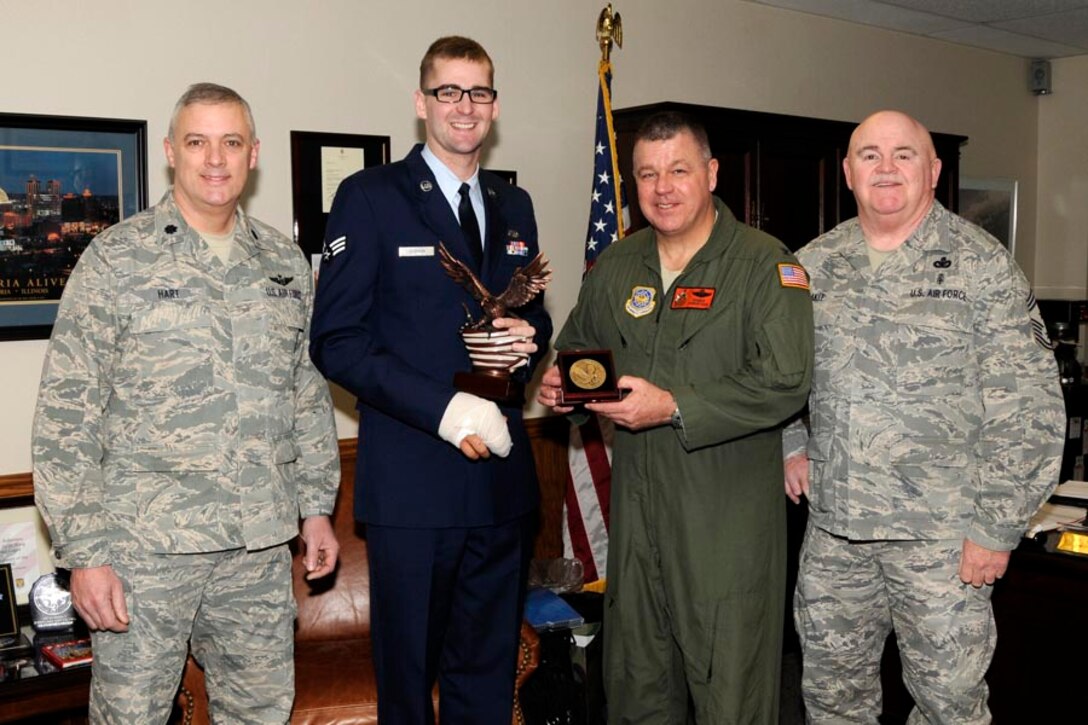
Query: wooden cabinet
x,y
781,174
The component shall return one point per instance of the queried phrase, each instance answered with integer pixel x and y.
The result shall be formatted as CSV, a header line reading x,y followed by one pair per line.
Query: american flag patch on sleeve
x,y
793,275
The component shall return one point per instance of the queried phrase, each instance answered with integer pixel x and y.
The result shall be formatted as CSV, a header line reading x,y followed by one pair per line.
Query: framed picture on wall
x,y
63,180
319,162
991,203
24,544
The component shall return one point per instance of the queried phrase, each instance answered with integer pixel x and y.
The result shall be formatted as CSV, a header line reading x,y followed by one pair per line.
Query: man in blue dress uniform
x,y
445,479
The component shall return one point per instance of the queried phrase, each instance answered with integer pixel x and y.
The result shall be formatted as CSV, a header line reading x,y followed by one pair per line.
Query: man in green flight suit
x,y
710,325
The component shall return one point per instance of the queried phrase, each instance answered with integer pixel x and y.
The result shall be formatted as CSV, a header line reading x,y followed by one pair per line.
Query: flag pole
x,y
589,482
609,30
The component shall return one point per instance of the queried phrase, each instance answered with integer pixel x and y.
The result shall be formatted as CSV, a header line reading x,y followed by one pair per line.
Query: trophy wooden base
x,y
498,387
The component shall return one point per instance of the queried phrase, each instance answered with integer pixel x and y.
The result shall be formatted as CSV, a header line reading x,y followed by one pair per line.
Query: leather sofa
x,y
334,673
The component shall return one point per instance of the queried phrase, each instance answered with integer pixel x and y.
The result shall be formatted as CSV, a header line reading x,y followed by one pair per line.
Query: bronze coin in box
x,y
587,376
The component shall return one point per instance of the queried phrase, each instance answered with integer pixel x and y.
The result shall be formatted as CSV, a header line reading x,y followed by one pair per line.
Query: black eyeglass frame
x,y
449,87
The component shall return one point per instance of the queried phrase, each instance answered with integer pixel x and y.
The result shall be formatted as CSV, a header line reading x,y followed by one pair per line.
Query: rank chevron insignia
x,y
281,280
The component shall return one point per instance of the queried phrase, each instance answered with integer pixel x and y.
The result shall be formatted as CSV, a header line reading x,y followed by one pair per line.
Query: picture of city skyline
x,y
75,169
63,180
52,204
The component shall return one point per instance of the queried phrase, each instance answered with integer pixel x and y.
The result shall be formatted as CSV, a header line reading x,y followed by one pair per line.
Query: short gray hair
x,y
213,94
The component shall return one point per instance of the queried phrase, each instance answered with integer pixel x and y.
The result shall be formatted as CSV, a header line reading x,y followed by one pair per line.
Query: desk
x,y
58,697
1041,612
1041,608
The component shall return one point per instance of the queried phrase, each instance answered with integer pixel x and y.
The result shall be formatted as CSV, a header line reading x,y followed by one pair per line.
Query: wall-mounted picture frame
x,y
991,203
319,162
24,544
63,179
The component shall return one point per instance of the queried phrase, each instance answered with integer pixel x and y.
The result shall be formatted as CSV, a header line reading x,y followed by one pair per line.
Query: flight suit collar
x,y
721,238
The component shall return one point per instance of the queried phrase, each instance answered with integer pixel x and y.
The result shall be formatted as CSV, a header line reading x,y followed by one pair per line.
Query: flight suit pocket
x,y
709,343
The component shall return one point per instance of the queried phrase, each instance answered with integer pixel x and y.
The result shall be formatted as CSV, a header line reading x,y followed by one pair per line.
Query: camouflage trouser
x,y
238,609
851,594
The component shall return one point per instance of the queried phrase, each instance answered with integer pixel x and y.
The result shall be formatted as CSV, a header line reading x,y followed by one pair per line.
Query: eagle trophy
x,y
525,284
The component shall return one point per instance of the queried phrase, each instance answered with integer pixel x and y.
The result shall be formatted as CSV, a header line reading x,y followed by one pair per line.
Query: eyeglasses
x,y
454,94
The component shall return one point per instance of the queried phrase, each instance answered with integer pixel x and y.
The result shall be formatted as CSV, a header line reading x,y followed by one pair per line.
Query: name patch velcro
x,y
692,298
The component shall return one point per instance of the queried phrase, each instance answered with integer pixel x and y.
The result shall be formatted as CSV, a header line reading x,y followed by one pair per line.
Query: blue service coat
x,y
385,328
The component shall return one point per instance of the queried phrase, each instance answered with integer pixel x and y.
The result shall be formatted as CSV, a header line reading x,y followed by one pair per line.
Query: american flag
x,y
793,275
608,215
589,483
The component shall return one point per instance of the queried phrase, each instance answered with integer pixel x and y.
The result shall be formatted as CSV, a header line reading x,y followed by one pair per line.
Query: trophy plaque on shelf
x,y
491,350
51,604
587,376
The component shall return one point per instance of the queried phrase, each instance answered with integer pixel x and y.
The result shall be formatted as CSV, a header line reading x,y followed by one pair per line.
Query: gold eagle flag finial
x,y
609,30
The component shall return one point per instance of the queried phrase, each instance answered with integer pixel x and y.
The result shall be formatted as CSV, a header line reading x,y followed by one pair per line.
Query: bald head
x,y
892,168
884,122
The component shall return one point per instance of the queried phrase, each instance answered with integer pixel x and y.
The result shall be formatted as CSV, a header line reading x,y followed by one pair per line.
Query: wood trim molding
x,y
347,449
16,489
548,435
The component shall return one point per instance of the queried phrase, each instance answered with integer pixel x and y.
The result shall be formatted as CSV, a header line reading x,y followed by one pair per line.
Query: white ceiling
x,y
1028,28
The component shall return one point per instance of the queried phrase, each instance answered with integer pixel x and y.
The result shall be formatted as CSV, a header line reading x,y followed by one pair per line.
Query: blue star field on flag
x,y
606,214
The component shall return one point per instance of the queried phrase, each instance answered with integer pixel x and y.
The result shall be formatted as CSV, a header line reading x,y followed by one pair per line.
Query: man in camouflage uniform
x,y
936,430
181,430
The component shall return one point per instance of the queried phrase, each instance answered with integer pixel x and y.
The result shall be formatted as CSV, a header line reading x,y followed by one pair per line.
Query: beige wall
x,y
350,66
1063,183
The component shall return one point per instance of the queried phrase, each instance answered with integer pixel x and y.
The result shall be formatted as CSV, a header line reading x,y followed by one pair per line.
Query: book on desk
x,y
71,653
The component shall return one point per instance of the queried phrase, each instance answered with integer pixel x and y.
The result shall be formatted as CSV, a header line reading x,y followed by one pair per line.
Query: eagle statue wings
x,y
525,284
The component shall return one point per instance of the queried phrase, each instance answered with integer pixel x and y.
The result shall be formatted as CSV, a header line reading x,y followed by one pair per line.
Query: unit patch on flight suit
x,y
641,302
692,298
